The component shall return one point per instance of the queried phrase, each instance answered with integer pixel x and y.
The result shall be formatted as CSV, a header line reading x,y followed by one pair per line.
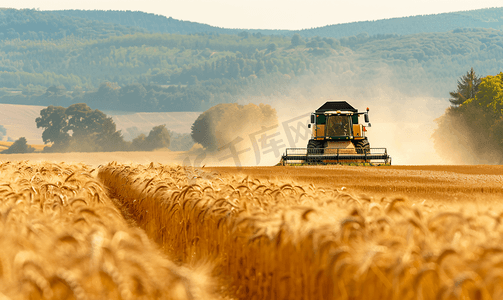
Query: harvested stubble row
x,y
277,240
61,237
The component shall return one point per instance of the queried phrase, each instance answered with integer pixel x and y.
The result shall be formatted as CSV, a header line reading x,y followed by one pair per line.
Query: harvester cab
x,y
337,136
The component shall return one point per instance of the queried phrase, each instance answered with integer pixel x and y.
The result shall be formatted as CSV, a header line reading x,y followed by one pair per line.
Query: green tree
x,y
472,132
272,47
55,90
244,34
489,100
468,86
79,128
158,138
19,146
108,92
84,121
133,94
490,93
111,139
296,40
54,121
234,70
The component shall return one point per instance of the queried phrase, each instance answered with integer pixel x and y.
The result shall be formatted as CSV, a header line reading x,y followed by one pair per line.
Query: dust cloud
x,y
464,143
403,124
227,128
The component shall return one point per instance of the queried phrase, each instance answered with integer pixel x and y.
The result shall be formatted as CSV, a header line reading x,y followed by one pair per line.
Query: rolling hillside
x,y
30,24
482,18
125,67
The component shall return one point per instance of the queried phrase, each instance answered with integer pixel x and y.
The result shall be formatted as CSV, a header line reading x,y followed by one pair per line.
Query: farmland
x,y
19,120
439,183
63,238
153,230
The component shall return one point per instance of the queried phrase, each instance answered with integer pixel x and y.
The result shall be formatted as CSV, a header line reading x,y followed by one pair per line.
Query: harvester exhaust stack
x,y
337,137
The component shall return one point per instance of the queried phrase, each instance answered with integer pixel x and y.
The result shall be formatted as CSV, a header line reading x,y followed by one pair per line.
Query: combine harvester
x,y
337,137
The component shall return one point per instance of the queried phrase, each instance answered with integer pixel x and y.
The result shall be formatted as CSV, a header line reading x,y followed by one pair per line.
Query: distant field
x,y
179,122
19,120
101,158
6,145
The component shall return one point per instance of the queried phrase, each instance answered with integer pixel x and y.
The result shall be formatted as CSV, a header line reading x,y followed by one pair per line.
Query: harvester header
x,y
337,136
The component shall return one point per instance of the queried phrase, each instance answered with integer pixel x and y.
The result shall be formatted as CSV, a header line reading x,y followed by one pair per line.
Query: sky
x,y
267,14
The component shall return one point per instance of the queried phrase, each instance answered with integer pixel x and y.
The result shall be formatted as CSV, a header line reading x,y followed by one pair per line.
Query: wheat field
x,y
155,231
62,237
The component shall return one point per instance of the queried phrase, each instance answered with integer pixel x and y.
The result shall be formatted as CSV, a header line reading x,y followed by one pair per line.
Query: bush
x,y
19,146
159,137
222,123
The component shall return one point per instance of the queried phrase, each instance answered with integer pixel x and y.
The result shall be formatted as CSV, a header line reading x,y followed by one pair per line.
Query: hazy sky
x,y
268,14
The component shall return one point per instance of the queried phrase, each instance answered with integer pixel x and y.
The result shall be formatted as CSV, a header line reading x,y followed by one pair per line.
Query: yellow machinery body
x,y
337,135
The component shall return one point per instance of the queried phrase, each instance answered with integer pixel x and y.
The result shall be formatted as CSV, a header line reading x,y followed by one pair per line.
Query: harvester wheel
x,y
362,146
312,145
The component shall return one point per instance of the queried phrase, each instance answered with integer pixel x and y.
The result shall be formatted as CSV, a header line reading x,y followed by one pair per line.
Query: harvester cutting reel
x,y
322,156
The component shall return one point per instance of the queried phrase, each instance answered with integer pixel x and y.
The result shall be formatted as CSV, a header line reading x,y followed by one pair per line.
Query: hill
x,y
151,22
481,18
169,72
34,24
31,24
117,67
156,23
146,72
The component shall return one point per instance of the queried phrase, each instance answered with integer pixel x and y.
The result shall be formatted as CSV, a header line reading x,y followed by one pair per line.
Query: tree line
x,y
31,24
444,22
78,128
172,72
481,18
176,82
194,79
471,130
